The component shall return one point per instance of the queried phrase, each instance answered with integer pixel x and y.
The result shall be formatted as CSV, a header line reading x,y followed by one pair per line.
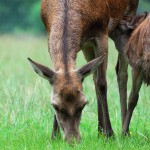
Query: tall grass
x,y
26,115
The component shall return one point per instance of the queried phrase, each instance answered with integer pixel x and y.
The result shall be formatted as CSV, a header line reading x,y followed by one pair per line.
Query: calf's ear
x,y
42,71
90,67
137,20
131,25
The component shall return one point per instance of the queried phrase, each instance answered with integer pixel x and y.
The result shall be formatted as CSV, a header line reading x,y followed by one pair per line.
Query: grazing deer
x,y
73,25
134,36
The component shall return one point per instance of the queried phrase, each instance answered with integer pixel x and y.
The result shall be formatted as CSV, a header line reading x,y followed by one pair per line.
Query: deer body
x,y
72,25
138,49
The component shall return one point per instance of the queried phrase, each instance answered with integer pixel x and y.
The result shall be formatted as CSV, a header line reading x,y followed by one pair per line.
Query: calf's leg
x,y
133,99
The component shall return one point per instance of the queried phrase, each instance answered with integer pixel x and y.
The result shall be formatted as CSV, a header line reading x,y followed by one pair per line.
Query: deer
x,y
134,37
73,25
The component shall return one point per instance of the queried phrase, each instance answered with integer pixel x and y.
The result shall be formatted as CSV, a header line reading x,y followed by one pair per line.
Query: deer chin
x,y
72,137
69,126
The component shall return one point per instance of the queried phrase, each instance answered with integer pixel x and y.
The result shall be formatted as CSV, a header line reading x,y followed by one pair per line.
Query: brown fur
x,y
69,21
131,10
138,49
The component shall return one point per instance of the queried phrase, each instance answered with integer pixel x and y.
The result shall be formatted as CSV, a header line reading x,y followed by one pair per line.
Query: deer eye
x,y
81,108
55,107
78,111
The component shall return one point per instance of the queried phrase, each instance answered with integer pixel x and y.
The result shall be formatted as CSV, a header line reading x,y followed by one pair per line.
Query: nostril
x,y
73,138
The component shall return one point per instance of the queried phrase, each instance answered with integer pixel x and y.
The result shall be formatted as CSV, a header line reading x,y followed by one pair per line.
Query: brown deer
x,y
134,36
73,25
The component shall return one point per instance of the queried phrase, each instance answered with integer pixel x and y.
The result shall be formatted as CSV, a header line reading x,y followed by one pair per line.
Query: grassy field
x,y
26,115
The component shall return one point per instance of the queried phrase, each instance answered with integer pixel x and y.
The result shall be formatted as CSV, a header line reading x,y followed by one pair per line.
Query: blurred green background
x,y
24,15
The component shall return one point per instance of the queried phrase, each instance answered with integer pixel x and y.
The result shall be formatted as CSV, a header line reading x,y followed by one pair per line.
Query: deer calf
x,y
134,36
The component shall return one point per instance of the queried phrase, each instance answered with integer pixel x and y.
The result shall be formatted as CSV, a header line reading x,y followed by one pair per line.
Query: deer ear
x,y
42,71
90,67
137,20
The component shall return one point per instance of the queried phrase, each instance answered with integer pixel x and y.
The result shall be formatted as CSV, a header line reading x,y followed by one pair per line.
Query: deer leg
x,y
102,47
133,99
122,77
99,106
89,54
56,129
102,90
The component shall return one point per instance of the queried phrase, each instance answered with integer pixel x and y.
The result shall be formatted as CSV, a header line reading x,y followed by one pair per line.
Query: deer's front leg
x,y
133,99
89,53
99,106
56,129
122,77
102,47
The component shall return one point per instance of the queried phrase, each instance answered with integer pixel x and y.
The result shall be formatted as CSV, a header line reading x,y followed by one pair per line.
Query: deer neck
x,y
64,39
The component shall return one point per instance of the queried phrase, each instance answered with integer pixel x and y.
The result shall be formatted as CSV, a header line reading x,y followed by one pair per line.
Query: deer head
x,y
67,97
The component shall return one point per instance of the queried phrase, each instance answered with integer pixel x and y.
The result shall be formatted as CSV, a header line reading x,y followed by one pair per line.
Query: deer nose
x,y
70,138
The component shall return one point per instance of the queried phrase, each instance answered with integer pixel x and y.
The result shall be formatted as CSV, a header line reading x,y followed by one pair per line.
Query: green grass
x,y
26,115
